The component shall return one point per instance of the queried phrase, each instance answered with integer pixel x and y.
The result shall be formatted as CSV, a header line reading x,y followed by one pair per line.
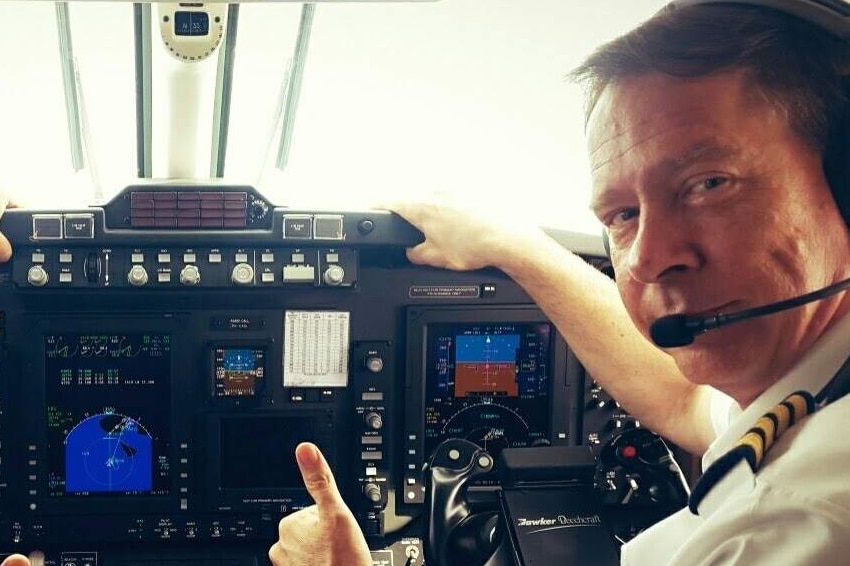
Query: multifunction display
x,y
108,413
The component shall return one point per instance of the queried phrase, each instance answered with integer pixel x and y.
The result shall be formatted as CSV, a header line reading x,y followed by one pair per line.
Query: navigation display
x,y
108,413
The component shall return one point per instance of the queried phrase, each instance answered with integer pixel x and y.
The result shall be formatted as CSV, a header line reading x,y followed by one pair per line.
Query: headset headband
x,y
832,15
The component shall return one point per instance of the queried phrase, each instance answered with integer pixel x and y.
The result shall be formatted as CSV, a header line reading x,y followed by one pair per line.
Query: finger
x,y
15,560
420,255
318,478
5,250
406,210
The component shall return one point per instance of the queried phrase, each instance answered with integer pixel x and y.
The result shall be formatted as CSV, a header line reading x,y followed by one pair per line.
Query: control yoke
x,y
455,533
549,506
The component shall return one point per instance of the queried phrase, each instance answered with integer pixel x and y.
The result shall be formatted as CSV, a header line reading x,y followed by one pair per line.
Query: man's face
x,y
714,205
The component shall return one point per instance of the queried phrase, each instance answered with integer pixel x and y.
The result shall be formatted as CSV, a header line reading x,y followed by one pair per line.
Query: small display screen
x,y
238,371
108,413
191,23
488,383
259,452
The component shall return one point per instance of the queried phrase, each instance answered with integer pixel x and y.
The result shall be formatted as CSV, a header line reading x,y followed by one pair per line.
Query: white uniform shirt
x,y
796,510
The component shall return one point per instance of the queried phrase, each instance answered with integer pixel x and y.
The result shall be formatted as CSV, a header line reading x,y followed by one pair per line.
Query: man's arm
x,y
586,308
584,305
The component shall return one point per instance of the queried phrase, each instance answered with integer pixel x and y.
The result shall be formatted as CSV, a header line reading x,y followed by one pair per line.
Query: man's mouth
x,y
725,308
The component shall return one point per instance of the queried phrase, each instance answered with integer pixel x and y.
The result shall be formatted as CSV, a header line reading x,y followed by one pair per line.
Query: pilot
x,y
711,130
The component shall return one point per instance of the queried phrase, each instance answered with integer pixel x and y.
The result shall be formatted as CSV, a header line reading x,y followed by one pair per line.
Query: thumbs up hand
x,y
325,533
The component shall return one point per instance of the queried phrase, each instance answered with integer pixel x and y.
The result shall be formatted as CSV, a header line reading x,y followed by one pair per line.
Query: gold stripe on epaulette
x,y
753,446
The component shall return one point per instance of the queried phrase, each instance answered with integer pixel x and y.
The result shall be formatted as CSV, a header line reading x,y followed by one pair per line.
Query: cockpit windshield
x,y
333,104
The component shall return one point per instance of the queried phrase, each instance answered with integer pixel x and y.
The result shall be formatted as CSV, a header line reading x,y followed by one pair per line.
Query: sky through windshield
x,y
461,96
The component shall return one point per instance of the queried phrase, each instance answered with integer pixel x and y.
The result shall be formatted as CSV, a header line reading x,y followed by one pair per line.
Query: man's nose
x,y
661,247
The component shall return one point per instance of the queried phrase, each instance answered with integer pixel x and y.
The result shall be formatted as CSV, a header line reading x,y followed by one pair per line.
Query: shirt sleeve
x,y
776,528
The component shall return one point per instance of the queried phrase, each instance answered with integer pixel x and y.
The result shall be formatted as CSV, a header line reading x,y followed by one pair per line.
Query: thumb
x,y
317,476
15,560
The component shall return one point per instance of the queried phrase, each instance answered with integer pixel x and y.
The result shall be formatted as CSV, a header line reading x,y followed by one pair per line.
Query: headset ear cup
x,y
836,163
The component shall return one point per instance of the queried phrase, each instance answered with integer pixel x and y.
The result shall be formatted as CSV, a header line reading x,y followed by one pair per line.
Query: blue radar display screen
x,y
191,23
108,414
108,451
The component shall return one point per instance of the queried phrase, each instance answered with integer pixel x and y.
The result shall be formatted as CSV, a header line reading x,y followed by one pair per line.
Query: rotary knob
x,y
334,275
372,491
375,364
243,274
258,210
374,420
190,275
137,276
37,276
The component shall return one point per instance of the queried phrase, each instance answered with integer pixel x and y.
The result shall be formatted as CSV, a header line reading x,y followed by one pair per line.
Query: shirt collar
x,y
811,373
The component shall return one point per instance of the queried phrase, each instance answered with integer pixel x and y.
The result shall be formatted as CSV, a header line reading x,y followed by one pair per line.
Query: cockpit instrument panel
x,y
157,374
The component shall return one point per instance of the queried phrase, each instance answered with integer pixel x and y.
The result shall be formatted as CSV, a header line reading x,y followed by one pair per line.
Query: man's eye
x,y
623,215
713,182
703,184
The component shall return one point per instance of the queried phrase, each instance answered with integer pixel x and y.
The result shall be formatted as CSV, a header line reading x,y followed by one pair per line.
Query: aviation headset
x,y
833,16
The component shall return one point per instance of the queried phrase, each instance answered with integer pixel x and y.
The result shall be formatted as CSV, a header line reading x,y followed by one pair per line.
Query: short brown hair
x,y
794,64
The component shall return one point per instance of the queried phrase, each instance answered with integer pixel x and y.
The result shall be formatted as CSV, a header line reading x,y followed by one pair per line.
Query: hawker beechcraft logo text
x,y
559,522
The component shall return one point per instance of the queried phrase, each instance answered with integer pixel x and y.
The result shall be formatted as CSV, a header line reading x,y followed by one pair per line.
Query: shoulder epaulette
x,y
753,445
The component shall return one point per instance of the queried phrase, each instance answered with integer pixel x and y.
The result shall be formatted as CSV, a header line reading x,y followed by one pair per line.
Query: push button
x,y
297,227
46,226
79,226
